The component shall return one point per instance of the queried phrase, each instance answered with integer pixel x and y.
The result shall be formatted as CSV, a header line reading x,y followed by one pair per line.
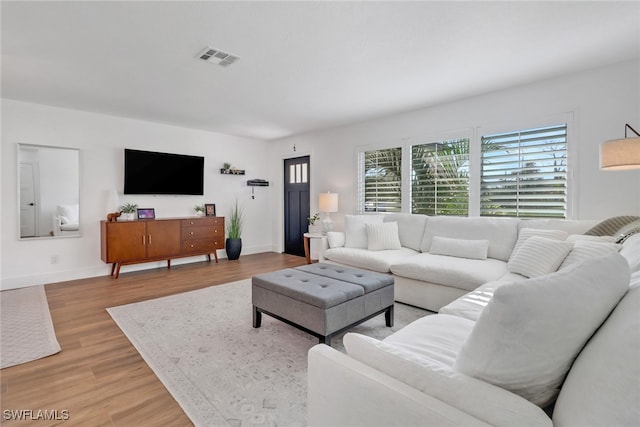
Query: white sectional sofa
x,y
431,280
540,348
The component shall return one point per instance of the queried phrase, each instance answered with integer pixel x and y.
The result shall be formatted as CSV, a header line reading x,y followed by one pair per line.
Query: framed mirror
x,y
48,191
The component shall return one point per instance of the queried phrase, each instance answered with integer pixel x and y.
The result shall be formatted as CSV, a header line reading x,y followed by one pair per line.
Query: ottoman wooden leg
x,y
257,317
388,316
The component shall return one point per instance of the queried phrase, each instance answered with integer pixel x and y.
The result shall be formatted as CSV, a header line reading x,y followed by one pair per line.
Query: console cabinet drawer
x,y
192,232
199,246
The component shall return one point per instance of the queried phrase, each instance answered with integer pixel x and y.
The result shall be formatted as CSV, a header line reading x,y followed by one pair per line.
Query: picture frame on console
x,y
210,209
147,213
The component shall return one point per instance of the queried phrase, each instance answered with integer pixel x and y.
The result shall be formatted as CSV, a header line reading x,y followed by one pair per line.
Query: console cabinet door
x,y
163,238
126,241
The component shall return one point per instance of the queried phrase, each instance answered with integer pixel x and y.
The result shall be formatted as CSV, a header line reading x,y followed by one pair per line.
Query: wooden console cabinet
x,y
132,242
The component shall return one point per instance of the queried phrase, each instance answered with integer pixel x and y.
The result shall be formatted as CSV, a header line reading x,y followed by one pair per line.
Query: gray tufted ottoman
x,y
322,299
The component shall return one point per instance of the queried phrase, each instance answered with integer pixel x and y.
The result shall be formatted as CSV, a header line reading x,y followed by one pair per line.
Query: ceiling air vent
x,y
215,56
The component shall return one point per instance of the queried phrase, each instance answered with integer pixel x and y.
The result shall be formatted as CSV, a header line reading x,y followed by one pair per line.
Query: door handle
x,y
32,204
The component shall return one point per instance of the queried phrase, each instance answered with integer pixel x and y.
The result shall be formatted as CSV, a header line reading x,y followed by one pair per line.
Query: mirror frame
x,y
20,157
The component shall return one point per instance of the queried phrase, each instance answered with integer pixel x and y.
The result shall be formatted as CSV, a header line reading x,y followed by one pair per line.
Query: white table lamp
x,y
328,202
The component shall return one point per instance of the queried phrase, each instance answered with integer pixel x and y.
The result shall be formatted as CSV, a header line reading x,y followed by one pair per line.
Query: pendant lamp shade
x,y
621,154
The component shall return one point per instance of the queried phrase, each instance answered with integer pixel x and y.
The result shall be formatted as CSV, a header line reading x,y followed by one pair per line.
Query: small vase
x,y
127,216
233,248
315,229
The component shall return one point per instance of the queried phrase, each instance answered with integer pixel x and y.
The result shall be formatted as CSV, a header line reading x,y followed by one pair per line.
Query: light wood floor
x,y
99,377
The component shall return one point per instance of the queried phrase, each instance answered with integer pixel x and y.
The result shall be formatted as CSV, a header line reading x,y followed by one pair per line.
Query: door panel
x,y
163,238
296,203
27,200
126,241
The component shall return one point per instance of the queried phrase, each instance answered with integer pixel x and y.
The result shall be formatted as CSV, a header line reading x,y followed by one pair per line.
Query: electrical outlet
x,y
54,259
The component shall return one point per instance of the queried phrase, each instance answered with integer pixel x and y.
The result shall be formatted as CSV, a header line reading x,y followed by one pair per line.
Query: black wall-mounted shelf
x,y
232,171
258,183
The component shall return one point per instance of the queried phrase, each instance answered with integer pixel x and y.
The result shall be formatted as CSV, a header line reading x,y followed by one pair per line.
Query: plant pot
x,y
233,248
316,229
128,216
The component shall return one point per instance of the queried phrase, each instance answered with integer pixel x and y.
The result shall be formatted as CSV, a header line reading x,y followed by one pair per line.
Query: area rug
x,y
26,329
222,371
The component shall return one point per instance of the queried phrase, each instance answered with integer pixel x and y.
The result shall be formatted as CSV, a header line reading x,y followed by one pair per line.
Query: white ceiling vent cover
x,y
215,56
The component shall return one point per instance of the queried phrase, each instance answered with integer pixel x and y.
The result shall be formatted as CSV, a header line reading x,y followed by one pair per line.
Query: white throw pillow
x,y
356,231
528,335
335,239
462,248
538,256
526,233
586,249
383,236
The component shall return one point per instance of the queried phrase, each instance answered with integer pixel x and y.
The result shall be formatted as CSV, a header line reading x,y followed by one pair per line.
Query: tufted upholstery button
x,y
287,275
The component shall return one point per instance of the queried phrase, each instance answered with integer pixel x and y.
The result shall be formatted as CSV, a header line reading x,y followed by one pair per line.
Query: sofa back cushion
x,y
602,388
410,228
501,233
530,332
578,226
356,229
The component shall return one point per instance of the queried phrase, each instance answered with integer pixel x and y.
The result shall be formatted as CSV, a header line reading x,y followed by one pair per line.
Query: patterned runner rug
x,y
222,371
26,330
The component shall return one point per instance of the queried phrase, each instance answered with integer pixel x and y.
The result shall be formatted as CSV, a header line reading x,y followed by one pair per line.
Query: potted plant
x,y
128,211
199,210
233,245
313,227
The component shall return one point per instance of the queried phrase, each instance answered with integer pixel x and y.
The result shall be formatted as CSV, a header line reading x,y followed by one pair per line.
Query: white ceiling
x,y
303,65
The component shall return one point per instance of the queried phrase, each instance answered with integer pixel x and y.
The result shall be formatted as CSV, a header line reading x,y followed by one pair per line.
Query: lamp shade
x,y
620,154
328,202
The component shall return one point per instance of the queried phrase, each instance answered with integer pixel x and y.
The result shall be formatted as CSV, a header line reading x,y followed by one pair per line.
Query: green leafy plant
x,y
234,227
312,219
226,165
128,208
198,208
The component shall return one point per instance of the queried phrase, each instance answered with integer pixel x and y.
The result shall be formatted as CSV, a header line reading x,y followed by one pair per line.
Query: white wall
x,y
101,140
601,101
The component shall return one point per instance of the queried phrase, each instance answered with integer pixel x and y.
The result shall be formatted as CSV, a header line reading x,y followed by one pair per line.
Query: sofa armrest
x,y
344,391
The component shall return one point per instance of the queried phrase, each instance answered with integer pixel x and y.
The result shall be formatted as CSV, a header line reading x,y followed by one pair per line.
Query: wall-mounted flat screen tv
x,y
148,172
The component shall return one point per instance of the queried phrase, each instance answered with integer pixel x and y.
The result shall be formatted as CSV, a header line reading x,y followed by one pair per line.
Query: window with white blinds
x,y
440,178
382,171
524,173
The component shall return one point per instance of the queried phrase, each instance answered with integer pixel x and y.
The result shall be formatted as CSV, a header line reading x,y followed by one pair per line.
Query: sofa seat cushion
x,y
470,306
380,261
530,332
445,270
603,386
487,403
437,338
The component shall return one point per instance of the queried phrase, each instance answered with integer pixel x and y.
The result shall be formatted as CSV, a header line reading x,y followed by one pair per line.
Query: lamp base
x,y
327,224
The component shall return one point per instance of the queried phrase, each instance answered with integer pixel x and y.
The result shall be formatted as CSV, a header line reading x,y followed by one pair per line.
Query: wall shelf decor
x,y
232,171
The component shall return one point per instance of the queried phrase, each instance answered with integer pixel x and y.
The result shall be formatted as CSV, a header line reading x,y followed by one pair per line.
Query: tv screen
x,y
148,172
